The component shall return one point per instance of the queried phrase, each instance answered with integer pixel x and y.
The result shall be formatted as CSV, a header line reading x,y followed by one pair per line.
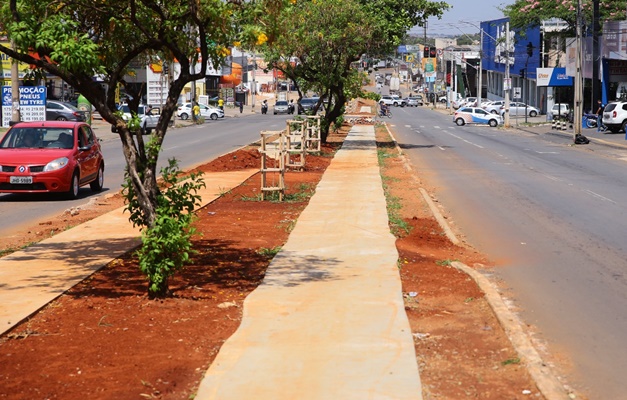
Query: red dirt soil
x,y
106,339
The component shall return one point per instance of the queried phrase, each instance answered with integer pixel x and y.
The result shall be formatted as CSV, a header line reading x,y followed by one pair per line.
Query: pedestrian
x,y
600,126
241,107
196,111
221,104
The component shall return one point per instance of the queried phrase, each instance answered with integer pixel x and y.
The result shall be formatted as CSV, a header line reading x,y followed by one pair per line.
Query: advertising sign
x,y
553,77
32,104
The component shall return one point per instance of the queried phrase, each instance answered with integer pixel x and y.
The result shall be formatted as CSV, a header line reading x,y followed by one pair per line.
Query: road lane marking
x,y
551,177
464,140
598,196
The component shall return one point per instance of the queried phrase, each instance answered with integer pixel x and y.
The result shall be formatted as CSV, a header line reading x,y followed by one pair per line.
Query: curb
x,y
546,382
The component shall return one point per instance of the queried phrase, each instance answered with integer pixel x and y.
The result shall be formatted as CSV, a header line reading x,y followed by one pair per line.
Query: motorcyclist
x,y
291,107
384,109
264,106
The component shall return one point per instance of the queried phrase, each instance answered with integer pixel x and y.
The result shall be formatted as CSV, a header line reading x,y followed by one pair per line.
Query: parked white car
x,y
494,107
615,116
185,111
149,117
466,101
560,109
392,100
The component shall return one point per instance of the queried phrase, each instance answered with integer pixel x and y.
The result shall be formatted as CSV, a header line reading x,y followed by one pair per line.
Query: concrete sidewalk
x,y
328,322
36,275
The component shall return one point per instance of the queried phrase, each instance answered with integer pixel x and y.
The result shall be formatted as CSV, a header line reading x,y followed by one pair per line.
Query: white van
x,y
560,109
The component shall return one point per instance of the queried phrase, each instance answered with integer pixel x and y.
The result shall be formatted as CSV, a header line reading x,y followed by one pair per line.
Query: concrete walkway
x,y
328,322
36,275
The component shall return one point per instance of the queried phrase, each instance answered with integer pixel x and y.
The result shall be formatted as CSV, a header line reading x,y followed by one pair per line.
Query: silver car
x,y
519,109
281,107
414,101
59,111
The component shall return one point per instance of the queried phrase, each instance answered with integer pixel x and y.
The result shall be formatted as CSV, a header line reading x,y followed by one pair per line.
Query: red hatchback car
x,y
50,157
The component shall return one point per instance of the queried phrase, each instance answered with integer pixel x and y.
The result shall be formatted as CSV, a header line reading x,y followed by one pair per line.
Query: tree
x,y
531,13
77,40
314,43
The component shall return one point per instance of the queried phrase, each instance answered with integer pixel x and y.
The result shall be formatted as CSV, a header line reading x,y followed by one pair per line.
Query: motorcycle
x,y
592,121
264,108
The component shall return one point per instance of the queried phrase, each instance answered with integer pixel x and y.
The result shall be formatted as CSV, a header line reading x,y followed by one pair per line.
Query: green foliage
x,y
511,361
269,252
445,263
166,244
526,13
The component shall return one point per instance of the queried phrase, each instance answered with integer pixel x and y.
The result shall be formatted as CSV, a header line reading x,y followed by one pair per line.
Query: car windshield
x,y
126,109
281,103
38,138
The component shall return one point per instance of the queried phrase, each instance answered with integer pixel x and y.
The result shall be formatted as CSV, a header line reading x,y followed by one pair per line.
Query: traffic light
x,y
530,49
522,73
426,52
432,52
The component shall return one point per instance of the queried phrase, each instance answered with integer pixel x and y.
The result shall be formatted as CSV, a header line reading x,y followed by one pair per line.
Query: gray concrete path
x,y
36,275
328,322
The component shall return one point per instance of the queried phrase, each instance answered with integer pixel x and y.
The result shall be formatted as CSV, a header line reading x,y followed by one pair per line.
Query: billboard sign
x,y
553,77
32,104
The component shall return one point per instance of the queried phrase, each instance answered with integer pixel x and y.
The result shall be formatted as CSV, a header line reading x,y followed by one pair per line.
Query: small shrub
x,y
166,245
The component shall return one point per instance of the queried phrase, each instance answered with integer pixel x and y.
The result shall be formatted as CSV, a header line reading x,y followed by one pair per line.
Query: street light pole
x,y
15,89
479,89
578,81
508,82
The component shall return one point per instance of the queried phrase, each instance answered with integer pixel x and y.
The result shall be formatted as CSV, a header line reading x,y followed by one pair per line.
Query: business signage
x,y
497,56
553,77
32,104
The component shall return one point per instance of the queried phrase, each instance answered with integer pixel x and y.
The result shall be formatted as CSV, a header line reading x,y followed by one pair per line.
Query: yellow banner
x,y
5,65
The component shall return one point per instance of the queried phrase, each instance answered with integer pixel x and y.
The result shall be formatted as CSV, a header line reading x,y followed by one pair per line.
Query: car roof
x,y
48,124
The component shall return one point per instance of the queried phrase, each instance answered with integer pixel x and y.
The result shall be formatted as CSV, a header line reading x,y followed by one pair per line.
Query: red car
x,y
50,156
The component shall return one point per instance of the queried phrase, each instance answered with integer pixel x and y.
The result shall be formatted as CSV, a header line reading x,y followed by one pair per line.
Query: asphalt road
x,y
190,144
553,216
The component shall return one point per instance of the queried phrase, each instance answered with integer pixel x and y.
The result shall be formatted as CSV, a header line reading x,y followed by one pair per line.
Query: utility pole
x,y
596,28
15,89
578,75
479,89
253,88
508,82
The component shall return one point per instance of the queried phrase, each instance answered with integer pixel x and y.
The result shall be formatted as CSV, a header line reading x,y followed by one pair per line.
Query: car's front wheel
x,y
533,114
493,123
214,116
74,187
96,186
460,121
184,116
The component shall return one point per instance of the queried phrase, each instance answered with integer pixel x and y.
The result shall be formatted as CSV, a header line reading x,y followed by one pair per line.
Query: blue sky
x,y
471,11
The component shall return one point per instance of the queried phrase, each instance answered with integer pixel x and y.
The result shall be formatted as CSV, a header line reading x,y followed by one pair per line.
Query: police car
x,y
476,115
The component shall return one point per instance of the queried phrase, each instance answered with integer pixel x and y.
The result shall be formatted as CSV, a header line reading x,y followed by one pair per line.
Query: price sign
x,y
517,93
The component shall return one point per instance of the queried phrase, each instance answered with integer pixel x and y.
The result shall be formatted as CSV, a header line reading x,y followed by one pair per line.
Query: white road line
x,y
551,177
441,148
467,141
598,196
